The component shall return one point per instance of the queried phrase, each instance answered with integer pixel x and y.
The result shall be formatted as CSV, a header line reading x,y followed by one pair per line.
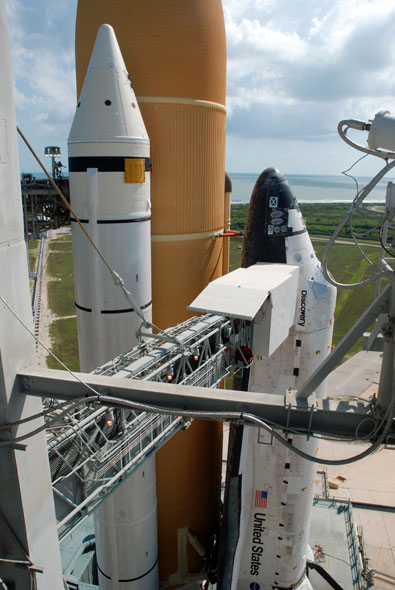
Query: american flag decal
x,y
260,499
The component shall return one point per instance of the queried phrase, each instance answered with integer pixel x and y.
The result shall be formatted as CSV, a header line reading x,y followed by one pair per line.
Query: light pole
x,y
53,151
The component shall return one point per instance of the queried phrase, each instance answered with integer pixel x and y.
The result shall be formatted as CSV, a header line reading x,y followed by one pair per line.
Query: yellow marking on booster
x,y
135,170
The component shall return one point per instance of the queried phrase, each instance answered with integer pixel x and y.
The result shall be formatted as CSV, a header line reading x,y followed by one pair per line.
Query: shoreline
x,y
320,202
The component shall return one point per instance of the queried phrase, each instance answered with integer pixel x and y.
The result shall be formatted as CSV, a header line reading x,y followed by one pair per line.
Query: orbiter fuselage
x,y
274,485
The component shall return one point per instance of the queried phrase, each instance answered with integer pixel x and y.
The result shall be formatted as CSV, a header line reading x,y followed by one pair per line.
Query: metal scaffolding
x,y
92,450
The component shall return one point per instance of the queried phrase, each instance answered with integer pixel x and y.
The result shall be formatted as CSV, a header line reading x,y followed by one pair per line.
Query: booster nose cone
x,y
106,53
107,108
273,214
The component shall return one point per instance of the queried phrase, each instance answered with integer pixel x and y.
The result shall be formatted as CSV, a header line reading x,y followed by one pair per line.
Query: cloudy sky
x,y
295,68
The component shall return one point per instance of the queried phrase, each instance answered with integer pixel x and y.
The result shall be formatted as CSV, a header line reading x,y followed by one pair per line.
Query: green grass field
x,y
60,291
64,337
323,219
60,268
32,246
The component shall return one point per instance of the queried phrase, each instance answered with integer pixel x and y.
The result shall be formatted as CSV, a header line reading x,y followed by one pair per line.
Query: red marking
x,y
247,352
260,499
230,233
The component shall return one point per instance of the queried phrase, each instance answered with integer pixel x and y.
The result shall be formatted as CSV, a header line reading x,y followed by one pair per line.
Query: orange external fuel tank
x,y
175,53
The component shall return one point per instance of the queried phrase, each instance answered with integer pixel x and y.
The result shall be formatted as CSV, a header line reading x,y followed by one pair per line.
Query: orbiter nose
x,y
273,214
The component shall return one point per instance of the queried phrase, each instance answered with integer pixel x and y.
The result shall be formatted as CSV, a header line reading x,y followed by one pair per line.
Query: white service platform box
x,y
263,293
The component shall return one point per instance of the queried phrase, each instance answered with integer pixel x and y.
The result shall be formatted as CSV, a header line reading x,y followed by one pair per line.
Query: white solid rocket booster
x,y
110,192
109,164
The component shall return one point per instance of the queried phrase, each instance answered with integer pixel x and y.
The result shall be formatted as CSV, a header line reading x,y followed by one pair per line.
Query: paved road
x,y
346,242
356,375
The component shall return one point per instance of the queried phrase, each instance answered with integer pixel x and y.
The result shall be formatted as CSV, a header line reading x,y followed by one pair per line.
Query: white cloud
x,y
42,51
250,37
295,68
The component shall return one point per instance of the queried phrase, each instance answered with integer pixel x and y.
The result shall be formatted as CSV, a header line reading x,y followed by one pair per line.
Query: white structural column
x,y
27,515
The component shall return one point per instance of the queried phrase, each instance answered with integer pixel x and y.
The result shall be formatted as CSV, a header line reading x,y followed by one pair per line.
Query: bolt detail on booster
x,y
109,163
269,488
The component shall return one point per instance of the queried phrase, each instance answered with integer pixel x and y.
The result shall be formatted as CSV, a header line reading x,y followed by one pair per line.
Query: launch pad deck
x,y
334,542
368,484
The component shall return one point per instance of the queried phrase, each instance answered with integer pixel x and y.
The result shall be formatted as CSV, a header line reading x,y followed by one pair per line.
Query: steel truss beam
x,y
349,419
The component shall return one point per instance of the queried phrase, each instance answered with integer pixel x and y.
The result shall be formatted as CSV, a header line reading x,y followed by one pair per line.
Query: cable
x,y
325,437
241,417
78,401
342,129
118,280
46,348
351,167
355,237
353,234
35,416
320,460
392,254
234,416
373,432
339,228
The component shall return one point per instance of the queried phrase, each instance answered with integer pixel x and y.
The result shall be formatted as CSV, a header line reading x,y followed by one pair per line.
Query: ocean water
x,y
309,188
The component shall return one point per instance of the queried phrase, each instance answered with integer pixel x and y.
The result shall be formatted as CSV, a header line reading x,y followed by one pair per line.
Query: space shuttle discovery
x,y
269,489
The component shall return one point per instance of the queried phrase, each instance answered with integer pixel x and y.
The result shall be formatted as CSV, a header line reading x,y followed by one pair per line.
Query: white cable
x,y
245,418
76,377
353,234
345,172
357,201
355,237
